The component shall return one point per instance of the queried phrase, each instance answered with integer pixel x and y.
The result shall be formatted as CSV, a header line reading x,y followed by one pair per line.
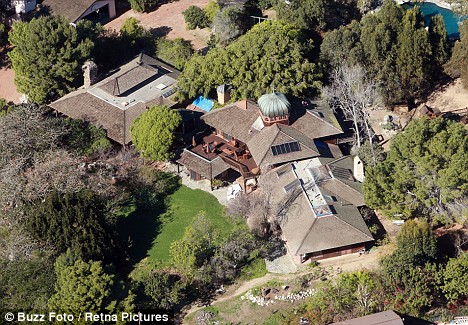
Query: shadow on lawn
x,y
142,221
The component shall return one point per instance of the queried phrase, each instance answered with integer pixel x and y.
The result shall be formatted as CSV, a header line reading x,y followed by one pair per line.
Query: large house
x,y
116,101
293,149
248,137
95,10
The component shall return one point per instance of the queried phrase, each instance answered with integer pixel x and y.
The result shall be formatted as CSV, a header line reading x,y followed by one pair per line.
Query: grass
x,y
255,269
183,207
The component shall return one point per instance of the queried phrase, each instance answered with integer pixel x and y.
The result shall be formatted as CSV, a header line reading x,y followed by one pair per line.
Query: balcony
x,y
234,153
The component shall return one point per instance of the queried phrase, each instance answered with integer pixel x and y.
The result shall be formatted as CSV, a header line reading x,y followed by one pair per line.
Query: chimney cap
x,y
223,88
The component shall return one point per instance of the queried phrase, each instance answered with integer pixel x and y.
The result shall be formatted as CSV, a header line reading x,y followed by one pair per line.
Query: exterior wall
x,y
329,253
24,6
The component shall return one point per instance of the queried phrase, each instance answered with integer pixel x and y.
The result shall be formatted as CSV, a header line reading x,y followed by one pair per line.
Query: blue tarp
x,y
203,103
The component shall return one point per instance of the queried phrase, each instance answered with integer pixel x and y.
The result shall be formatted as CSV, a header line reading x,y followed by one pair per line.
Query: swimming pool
x,y
430,9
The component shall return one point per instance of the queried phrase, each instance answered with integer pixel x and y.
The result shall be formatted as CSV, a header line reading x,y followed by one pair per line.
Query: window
x,y
285,148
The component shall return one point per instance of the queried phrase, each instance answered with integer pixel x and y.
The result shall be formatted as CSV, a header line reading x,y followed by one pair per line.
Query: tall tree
x,y
269,55
439,43
458,64
414,55
176,52
425,173
47,57
305,14
455,277
353,93
87,287
228,24
153,132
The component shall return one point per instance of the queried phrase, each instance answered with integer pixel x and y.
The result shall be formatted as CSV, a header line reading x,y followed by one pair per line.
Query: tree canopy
x,y
269,55
47,56
153,132
458,64
176,52
425,173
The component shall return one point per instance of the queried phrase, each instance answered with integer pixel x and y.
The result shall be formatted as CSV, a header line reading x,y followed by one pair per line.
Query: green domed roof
x,y
274,105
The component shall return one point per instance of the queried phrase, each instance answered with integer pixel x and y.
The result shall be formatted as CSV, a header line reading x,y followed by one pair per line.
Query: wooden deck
x,y
238,156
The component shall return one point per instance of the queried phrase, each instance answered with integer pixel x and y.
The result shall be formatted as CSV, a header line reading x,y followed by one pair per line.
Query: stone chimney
x,y
89,73
224,93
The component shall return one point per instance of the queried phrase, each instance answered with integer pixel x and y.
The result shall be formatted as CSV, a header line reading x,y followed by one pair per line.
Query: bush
x,y
142,5
211,9
195,17
85,138
176,52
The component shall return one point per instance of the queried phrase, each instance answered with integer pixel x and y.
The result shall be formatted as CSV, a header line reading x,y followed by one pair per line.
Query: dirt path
x,y
346,263
168,20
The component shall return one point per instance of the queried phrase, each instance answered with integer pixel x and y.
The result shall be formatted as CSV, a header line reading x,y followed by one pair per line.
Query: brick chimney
x,y
89,73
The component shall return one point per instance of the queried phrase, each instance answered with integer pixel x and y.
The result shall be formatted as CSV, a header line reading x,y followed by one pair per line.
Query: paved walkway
x,y
282,265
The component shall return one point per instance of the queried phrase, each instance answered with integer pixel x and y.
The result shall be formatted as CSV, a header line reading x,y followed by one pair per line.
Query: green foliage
x,y
4,107
79,221
176,52
25,284
228,24
211,9
135,36
366,155
165,289
131,28
195,17
439,43
305,14
142,5
458,64
47,57
343,45
414,55
84,138
455,278
269,55
425,172
86,286
2,34
152,132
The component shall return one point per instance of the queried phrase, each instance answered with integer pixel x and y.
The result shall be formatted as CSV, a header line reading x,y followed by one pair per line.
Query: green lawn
x,y
184,205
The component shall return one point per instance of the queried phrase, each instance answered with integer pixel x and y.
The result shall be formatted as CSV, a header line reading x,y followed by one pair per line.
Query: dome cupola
x,y
274,108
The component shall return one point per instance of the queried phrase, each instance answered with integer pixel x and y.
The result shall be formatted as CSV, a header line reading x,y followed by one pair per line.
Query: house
x,y
251,138
318,202
116,101
292,150
100,10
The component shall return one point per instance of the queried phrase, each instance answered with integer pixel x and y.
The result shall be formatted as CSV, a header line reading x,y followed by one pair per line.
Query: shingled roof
x,y
207,168
115,102
70,9
305,230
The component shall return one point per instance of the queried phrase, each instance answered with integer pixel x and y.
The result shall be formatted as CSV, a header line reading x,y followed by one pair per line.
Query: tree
x,y
408,273
228,24
343,46
165,289
354,94
87,287
305,14
425,173
152,132
26,284
439,43
269,55
195,17
458,64
414,55
79,221
176,52
455,277
142,5
47,57
211,9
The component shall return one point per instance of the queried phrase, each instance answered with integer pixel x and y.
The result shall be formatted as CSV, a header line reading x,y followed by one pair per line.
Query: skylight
x,y
285,148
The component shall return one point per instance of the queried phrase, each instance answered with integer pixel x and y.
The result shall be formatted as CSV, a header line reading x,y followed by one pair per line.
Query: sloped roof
x,y
70,9
207,168
306,232
100,105
260,145
388,317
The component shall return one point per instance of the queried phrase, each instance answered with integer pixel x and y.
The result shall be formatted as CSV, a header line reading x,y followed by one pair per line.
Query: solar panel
x,y
291,186
169,92
284,148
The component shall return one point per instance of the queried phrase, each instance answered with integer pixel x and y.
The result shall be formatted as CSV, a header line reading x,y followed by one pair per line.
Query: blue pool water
x,y
429,9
